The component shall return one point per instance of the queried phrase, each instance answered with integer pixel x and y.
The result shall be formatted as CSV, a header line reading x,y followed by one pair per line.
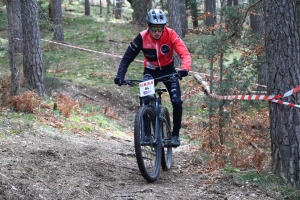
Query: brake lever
x,y
128,82
131,83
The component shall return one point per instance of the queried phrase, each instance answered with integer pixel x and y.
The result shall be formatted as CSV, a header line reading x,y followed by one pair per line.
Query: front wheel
x,y
166,133
147,149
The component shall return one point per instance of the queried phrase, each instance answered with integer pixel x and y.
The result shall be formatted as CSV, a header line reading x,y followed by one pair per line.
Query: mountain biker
x,y
158,44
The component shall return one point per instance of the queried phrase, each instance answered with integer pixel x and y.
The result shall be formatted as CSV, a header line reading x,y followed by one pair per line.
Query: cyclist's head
x,y
156,20
156,17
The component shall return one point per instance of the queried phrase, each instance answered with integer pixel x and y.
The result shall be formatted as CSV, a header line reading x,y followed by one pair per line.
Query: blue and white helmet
x,y
156,16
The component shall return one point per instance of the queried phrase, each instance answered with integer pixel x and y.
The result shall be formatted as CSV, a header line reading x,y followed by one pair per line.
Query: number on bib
x,y
147,88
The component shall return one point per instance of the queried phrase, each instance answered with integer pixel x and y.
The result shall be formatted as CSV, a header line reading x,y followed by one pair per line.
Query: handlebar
x,y
168,77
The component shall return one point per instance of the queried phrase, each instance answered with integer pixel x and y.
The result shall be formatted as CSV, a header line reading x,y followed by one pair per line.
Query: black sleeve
x,y
132,51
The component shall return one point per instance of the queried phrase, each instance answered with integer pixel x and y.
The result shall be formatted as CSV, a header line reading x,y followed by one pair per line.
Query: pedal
x,y
167,143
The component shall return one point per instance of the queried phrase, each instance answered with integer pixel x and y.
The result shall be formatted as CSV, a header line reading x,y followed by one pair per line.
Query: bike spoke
x,y
147,152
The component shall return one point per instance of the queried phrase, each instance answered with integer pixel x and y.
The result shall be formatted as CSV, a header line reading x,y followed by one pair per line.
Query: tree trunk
x,y
32,52
87,8
100,5
118,12
11,7
257,24
210,9
140,10
107,6
174,17
221,103
194,13
16,25
50,10
283,60
162,4
183,18
57,21
175,23
113,5
236,2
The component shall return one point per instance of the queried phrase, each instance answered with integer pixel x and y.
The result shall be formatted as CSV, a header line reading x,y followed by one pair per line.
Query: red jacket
x,y
156,52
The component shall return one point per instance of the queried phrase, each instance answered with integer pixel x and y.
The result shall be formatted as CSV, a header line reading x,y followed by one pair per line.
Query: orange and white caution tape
x,y
259,85
84,49
286,103
259,97
272,98
205,86
93,51
80,48
19,39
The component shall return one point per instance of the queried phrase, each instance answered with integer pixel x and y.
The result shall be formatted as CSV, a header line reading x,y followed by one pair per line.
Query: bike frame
x,y
159,119
146,101
155,102
151,109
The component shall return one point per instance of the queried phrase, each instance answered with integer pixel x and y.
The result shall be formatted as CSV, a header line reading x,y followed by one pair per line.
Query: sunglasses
x,y
156,28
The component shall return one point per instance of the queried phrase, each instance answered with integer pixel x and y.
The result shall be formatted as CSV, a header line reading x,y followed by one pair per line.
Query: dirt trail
x,y
43,163
53,165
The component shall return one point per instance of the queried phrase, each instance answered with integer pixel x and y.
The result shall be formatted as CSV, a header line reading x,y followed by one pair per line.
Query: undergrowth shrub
x,y
66,104
245,138
4,91
27,101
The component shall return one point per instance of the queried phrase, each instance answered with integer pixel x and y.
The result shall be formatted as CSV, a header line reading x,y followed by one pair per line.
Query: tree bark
x,y
50,10
194,13
174,17
57,21
210,9
107,6
183,18
87,8
113,5
283,60
17,25
11,7
118,12
100,5
257,24
140,10
32,52
175,23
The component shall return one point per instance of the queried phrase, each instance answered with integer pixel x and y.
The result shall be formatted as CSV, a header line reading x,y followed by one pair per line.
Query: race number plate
x,y
147,88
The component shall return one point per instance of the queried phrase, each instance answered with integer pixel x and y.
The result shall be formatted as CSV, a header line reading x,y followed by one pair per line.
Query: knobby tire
x,y
148,156
166,159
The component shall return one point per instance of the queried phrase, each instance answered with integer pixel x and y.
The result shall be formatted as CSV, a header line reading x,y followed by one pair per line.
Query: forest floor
x,y
45,163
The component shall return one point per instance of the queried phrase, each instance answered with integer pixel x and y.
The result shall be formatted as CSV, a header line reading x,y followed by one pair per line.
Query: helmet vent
x,y
156,16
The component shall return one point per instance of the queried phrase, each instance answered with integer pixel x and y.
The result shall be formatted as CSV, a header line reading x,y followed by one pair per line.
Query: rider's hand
x,y
182,73
118,81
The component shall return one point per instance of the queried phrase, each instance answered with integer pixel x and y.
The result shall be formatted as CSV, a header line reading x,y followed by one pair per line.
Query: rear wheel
x,y
148,152
166,159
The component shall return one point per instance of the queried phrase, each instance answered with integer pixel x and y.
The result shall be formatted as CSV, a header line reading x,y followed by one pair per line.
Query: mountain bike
x,y
152,129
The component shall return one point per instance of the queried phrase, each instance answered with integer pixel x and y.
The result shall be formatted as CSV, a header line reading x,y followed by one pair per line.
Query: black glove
x,y
182,73
118,81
